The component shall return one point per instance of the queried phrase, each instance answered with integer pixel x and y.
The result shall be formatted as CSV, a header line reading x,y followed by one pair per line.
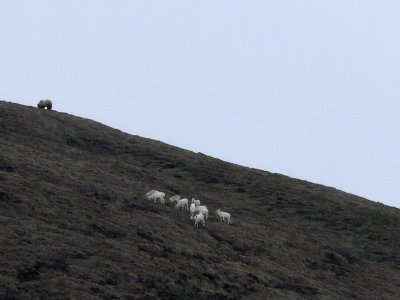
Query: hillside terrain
x,y
74,223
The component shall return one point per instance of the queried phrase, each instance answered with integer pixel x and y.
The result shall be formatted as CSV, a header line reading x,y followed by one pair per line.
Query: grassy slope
x,y
73,222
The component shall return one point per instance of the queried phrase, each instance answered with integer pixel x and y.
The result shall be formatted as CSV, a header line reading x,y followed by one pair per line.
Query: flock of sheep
x,y
198,213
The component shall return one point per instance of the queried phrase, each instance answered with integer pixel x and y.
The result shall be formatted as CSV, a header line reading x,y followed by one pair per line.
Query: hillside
x,y
74,222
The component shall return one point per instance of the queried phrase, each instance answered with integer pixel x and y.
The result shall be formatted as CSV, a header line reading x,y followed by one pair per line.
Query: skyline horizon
x,y
308,90
219,158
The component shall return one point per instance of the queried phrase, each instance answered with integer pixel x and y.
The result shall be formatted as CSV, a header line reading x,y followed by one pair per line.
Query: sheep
x,y
222,215
149,193
197,219
45,104
158,195
182,203
154,195
192,209
202,209
197,202
174,198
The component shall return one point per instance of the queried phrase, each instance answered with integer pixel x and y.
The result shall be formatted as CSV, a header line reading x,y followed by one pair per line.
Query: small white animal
x,y
196,202
202,209
156,195
224,215
197,219
149,193
192,209
182,203
174,198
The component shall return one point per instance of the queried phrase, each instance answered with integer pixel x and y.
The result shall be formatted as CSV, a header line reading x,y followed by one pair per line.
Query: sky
x,y
308,89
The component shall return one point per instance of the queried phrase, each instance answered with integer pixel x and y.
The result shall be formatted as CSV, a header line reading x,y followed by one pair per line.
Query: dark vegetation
x,y
74,223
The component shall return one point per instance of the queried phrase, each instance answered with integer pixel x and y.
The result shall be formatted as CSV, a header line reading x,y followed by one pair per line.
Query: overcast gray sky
x,y
309,89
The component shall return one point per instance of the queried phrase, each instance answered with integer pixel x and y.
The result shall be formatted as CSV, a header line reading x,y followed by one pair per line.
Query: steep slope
x,y
74,222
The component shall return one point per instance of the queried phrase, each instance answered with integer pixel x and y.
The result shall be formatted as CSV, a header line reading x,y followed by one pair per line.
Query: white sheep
x,y
154,195
202,209
192,209
197,219
175,198
222,215
149,193
182,203
197,202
